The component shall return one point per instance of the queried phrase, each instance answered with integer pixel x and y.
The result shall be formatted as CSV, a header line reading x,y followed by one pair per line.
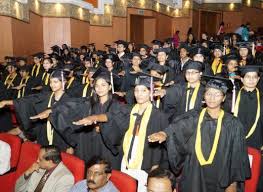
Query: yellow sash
x,y
158,101
141,136
21,92
198,141
217,66
84,93
50,131
70,82
193,98
84,78
253,128
9,83
33,70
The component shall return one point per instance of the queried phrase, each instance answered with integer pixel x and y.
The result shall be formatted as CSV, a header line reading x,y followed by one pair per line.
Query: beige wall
x,y
79,32
6,39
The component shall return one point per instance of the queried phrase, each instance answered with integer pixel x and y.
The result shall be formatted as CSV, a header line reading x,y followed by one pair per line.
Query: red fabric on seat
x,y
75,165
251,184
123,182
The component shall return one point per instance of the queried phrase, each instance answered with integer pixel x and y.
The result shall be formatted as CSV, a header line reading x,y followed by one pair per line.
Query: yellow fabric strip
x,y
11,81
50,131
70,82
198,141
141,136
217,66
253,128
193,98
84,92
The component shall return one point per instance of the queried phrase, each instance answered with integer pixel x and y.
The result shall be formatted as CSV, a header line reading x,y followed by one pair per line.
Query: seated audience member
x,y
5,155
161,180
98,175
48,174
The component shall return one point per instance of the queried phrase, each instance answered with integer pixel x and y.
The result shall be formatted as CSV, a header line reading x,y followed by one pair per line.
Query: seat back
x,y
255,159
123,182
15,145
75,165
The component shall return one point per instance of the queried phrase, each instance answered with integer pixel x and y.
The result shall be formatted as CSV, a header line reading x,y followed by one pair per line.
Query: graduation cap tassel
x,y
112,85
62,79
151,89
233,98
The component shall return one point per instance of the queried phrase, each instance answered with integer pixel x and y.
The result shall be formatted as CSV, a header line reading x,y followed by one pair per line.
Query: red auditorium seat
x,y
123,182
255,158
75,165
6,180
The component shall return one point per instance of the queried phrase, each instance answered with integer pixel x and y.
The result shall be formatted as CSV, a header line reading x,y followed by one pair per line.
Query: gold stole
x,y
50,131
217,66
70,82
33,70
11,81
198,141
159,98
141,136
84,78
45,77
21,92
193,98
253,128
84,92
227,51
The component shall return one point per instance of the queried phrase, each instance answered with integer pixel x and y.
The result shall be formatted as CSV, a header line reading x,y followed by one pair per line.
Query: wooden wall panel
x,y
27,37
163,26
149,30
6,39
56,31
254,16
181,24
232,20
79,32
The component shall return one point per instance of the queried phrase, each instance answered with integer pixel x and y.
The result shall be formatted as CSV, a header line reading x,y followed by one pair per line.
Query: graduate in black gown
x,y
208,145
32,112
137,154
37,71
248,108
183,97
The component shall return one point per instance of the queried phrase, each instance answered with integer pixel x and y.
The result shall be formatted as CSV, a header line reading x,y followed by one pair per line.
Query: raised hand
x,y
42,115
157,137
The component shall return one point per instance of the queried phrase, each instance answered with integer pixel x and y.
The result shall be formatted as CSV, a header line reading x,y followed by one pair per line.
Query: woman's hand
x,y
157,137
42,115
85,121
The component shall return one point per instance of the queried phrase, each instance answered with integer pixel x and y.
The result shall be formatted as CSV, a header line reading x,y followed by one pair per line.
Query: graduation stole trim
x,y
19,95
198,141
34,68
50,131
70,82
217,66
136,163
46,77
193,98
84,92
9,84
85,79
158,101
253,128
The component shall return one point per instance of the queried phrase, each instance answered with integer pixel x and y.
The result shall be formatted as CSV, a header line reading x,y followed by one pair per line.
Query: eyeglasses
x,y
213,95
95,174
191,72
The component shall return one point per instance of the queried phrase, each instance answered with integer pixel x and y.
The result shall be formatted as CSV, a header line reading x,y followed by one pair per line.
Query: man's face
x,y
43,163
96,177
159,185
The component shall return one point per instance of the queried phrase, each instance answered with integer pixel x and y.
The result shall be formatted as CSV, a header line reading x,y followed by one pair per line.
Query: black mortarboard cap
x,y
158,68
200,50
107,45
135,54
39,55
25,68
83,47
244,45
229,57
184,46
250,68
157,42
11,63
112,57
217,82
21,59
193,65
144,46
121,42
165,50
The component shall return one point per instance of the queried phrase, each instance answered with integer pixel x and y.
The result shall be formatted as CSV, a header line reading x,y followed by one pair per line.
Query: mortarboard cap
x,y
11,63
21,59
25,68
165,50
246,45
135,54
144,46
158,68
157,42
121,42
229,57
193,65
200,50
107,45
184,46
83,47
250,68
216,82
112,57
39,55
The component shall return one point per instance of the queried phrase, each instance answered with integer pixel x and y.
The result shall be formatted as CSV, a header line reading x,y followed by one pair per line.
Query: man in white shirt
x,y
5,156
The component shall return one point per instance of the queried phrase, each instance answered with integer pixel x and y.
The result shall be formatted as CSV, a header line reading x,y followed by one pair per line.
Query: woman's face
x,y
143,52
36,60
142,94
213,98
108,63
47,64
190,37
232,66
183,53
243,52
198,57
56,84
11,69
217,53
120,48
102,87
250,80
136,61
192,75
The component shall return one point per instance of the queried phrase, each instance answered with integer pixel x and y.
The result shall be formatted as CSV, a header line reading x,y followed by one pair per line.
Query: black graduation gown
x,y
37,78
77,91
12,93
5,114
107,141
174,102
154,153
247,115
32,105
230,163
